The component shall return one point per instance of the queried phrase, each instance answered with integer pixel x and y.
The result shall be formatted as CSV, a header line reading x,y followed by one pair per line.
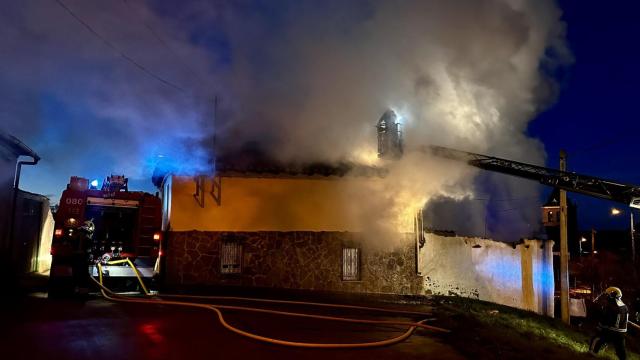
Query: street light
x,y
615,212
583,239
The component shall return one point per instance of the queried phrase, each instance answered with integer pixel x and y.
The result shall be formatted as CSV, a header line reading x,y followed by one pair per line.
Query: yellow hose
x,y
110,295
289,302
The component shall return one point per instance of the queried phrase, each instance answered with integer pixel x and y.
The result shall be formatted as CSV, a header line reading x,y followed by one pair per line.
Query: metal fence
x,y
231,257
350,264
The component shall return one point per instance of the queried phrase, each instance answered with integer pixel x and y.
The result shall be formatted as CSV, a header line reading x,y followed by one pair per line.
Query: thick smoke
x,y
464,74
305,80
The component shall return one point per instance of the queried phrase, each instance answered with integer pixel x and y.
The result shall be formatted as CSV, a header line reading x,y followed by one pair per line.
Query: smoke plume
x,y
305,80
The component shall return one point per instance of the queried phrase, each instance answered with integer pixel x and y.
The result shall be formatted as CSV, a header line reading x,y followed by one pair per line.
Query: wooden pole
x,y
564,248
633,240
593,241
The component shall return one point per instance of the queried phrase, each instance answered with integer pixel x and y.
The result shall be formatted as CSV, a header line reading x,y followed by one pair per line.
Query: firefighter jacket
x,y
614,317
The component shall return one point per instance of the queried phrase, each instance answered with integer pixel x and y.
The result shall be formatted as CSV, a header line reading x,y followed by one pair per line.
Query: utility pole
x,y
593,242
564,248
633,241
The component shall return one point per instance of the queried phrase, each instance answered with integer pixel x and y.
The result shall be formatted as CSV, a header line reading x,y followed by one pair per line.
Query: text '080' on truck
x,y
100,225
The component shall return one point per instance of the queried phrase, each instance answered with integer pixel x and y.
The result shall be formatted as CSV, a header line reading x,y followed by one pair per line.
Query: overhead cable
x,y
117,50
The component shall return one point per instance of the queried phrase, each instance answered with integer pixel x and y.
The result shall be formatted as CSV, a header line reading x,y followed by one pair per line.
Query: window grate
x,y
350,264
231,257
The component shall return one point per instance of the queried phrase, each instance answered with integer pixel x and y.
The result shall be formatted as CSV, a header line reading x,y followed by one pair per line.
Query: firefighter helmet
x,y
88,226
614,292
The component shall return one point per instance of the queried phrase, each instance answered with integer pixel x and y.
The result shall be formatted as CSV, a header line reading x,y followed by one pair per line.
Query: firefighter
x,y
80,246
612,326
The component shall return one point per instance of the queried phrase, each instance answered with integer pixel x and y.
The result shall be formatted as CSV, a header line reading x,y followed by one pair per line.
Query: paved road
x,y
40,328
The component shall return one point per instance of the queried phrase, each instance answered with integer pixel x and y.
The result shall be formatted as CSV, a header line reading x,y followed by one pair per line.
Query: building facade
x,y
285,230
23,216
294,231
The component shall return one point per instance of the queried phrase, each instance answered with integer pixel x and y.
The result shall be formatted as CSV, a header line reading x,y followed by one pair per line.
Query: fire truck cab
x,y
100,225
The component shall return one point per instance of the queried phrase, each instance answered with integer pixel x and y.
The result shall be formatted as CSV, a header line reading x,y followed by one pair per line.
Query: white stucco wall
x,y
520,276
46,236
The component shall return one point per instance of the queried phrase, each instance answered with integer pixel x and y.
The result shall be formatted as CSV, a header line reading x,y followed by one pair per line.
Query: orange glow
x,y
58,232
156,236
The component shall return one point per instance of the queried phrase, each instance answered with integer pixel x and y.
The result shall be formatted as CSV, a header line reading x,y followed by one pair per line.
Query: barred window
x,y
231,257
350,264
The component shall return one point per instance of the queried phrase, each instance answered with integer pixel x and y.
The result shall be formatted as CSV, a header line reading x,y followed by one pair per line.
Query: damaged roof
x,y
250,163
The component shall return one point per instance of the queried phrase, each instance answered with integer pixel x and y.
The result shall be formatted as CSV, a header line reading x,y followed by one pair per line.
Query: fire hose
x,y
154,299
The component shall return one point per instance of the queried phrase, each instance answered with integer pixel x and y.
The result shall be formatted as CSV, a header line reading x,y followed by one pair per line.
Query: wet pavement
x,y
35,327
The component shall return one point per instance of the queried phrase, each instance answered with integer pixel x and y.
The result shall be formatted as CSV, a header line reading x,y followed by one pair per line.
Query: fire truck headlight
x,y
70,222
156,236
58,232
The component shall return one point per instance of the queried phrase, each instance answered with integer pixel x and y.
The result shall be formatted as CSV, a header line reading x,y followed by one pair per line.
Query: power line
x,y
117,50
164,43
506,199
605,143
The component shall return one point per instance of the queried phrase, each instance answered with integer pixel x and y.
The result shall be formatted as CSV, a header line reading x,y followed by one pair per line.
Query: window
x,y
231,257
350,264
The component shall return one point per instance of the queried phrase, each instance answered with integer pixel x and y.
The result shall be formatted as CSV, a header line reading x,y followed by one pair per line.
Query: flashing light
x,y
156,236
58,232
615,211
583,239
160,253
94,183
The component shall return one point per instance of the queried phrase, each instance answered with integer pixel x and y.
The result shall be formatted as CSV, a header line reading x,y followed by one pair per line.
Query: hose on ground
x,y
151,299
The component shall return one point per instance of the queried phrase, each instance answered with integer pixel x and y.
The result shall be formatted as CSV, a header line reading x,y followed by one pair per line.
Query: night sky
x,y
594,115
595,118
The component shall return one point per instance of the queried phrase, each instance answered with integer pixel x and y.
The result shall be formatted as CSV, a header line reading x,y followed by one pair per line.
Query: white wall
x,y
46,236
488,270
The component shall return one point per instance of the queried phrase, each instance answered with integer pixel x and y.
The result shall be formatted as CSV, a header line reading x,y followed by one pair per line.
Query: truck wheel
x,y
61,284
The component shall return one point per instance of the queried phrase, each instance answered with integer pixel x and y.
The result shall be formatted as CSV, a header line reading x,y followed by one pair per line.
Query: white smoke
x,y
464,74
305,80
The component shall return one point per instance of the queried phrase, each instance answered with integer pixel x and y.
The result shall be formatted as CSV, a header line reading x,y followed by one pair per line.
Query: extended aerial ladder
x,y
565,180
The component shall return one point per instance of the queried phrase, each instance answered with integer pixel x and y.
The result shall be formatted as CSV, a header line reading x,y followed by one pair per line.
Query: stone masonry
x,y
291,260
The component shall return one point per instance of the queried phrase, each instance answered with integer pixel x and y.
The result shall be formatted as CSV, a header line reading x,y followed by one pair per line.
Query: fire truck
x,y
99,225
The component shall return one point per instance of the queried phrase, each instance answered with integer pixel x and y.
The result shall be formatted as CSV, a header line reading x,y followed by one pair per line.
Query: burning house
x,y
261,223
271,226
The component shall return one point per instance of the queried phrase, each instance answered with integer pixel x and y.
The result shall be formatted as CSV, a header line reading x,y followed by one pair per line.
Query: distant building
x,y
551,222
24,217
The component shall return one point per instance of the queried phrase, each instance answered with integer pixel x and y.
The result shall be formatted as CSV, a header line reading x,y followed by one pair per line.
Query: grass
x,y
486,330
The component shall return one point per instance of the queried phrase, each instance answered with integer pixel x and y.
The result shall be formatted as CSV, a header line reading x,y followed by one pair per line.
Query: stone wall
x,y
293,260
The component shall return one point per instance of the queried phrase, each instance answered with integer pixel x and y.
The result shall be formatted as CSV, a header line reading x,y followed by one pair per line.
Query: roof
x,y
16,146
554,199
229,167
251,163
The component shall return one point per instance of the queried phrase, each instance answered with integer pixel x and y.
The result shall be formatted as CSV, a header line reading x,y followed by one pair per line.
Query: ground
x,y
92,327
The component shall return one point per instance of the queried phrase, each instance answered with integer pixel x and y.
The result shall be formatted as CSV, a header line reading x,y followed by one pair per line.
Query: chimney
x,y
389,136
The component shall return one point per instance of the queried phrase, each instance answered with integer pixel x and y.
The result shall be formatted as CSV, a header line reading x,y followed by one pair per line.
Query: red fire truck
x,y
97,225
